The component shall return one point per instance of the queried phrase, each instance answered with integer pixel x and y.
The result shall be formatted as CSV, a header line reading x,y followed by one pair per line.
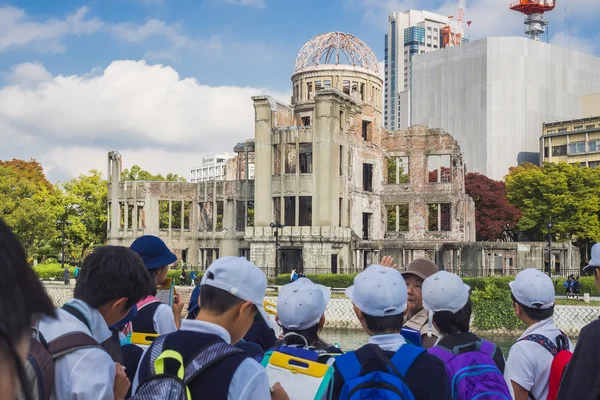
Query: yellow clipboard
x,y
144,339
301,379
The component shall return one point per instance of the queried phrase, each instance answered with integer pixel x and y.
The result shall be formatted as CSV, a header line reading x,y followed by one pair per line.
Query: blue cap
x,y
128,318
153,251
195,296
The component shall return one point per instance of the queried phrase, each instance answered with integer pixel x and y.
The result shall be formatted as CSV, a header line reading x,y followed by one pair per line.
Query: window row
x,y
573,148
438,167
438,217
296,158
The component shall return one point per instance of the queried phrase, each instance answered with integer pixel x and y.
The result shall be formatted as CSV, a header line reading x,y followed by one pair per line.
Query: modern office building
x,y
213,168
409,33
575,141
493,94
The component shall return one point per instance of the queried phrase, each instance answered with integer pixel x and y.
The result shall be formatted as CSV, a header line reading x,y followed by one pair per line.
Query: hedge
x,y
586,283
56,271
493,309
52,270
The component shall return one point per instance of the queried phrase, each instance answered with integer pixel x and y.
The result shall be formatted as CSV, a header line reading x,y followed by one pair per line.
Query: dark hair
x,y
217,300
22,298
449,323
310,334
536,314
110,273
392,323
153,273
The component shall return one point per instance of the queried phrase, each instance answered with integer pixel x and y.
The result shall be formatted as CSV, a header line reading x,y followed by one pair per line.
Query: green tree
x,y
565,194
29,204
138,174
85,202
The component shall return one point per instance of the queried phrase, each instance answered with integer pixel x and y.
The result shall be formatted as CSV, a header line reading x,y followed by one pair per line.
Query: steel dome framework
x,y
336,48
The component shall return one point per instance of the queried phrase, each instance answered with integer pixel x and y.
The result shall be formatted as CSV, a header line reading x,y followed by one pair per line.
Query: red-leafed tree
x,y
495,217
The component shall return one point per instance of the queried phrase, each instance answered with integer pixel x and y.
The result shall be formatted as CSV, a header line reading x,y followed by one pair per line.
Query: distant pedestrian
x,y
183,277
67,275
294,275
76,273
193,277
581,377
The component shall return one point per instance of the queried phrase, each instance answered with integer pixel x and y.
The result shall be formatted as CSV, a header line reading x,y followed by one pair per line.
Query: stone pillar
x,y
325,159
115,178
263,106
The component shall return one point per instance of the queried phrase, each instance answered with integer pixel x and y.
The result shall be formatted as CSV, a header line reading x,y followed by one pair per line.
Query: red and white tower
x,y
534,15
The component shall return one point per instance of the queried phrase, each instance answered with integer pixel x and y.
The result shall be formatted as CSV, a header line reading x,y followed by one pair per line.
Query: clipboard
x,y
166,292
412,336
302,379
143,339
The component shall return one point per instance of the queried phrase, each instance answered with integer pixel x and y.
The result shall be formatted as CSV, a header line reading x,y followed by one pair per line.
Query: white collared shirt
x,y
388,341
249,382
529,363
164,320
86,373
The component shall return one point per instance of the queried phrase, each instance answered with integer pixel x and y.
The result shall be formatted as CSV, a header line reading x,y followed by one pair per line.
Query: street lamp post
x,y
549,226
277,226
62,225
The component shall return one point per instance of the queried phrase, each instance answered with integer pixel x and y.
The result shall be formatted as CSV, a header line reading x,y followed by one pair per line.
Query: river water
x,y
353,339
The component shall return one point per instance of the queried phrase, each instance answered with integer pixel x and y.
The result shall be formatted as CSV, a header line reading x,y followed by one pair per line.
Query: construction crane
x,y
534,15
450,38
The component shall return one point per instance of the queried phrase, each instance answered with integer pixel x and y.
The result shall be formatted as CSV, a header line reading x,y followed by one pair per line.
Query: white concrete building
x,y
493,94
212,168
409,33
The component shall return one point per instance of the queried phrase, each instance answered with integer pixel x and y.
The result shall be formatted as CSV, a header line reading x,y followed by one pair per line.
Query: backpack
x,y
473,374
378,385
39,366
562,356
163,386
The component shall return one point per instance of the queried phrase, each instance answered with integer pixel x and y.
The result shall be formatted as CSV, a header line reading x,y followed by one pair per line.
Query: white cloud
x,y
70,122
30,72
19,29
253,3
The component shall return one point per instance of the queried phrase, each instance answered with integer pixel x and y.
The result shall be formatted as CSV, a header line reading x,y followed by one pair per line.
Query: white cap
x,y
532,288
595,261
301,304
239,277
444,291
379,291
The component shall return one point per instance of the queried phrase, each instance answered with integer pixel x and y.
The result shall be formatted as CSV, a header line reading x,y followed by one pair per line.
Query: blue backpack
x,y
378,385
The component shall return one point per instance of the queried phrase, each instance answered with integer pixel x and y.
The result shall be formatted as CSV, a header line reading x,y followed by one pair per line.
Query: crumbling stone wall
x,y
419,143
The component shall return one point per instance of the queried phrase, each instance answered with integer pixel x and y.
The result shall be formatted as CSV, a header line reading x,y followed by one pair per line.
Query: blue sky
x,y
80,78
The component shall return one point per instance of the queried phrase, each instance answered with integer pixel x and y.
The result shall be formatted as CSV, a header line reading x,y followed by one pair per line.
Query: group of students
x,y
571,286
203,357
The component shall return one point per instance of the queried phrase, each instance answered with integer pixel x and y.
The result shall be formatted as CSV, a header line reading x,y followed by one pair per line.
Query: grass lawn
x,y
579,302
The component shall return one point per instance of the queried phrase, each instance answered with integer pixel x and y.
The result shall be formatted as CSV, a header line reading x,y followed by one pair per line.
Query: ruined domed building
x,y
344,189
